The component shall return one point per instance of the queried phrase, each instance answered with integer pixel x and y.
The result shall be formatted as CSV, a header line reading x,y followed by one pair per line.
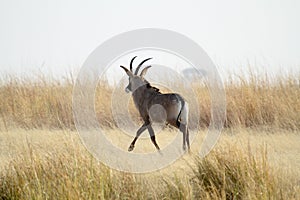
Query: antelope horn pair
x,y
138,67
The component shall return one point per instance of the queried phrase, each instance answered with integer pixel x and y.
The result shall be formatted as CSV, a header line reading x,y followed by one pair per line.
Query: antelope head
x,y
135,80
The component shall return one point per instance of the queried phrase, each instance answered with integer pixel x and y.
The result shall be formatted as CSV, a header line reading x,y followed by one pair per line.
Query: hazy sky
x,y
54,36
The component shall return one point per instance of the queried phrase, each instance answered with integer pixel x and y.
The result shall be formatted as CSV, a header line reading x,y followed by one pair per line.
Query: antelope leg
x,y
188,138
138,133
183,129
152,135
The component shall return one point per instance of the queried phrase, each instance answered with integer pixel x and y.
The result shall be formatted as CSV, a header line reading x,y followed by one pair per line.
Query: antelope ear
x,y
129,73
144,71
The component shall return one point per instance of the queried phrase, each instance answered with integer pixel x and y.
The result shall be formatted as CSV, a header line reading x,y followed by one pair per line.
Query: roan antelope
x,y
145,97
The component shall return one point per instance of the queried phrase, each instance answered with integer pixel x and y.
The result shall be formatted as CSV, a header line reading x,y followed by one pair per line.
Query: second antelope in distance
x,y
152,104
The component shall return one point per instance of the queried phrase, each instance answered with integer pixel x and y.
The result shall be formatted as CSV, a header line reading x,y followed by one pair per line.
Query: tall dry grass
x,y
264,101
69,172
72,173
252,101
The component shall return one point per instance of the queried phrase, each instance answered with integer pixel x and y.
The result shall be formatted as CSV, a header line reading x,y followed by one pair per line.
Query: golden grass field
x,y
257,156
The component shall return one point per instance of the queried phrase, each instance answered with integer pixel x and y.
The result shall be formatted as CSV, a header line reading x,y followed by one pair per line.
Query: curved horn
x,y
139,66
129,73
132,62
144,71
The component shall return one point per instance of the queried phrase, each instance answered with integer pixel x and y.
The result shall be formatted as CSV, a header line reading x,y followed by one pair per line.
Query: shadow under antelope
x,y
172,108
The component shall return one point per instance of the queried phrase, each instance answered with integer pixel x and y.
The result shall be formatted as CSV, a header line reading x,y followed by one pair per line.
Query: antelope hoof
x,y
131,147
160,153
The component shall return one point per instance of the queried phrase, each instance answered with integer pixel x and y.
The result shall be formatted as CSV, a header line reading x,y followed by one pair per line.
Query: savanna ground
x,y
257,156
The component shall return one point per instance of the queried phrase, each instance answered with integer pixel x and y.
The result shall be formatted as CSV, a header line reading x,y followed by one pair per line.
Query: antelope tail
x,y
179,115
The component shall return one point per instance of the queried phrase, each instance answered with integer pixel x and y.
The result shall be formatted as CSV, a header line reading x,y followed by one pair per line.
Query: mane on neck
x,y
155,89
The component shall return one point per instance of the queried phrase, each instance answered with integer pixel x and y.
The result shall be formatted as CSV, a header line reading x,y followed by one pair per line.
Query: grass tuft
x,y
228,173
